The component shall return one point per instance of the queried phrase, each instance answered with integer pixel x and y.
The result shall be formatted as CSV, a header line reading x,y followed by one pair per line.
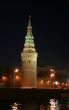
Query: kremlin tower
x,y
29,60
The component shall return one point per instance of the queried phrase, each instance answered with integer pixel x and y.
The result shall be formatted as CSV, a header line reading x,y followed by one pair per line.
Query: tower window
x,y
29,61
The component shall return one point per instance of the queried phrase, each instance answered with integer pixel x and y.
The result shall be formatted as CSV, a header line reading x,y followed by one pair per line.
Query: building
x,y
30,75
29,60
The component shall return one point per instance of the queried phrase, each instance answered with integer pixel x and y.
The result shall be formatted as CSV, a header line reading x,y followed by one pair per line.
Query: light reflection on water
x,y
31,104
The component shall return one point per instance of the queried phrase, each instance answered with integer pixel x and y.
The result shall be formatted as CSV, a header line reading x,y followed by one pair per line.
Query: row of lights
x,y
51,83
56,83
4,79
42,82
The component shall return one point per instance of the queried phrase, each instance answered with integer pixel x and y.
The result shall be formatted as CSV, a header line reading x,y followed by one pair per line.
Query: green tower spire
x,y
29,27
29,39
29,23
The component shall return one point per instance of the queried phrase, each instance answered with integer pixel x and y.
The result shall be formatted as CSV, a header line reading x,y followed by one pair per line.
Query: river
x,y
35,104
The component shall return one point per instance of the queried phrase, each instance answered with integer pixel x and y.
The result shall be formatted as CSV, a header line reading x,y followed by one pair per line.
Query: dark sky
x,y
50,22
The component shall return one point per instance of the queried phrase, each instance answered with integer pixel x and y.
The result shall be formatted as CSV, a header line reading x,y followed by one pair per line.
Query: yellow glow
x,y
16,70
51,70
52,75
56,82
41,82
17,77
4,77
48,82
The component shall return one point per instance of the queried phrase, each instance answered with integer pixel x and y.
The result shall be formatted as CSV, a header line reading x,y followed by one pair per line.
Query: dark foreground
x,y
11,93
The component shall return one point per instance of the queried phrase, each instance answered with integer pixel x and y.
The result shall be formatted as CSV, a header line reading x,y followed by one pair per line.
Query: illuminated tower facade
x,y
29,60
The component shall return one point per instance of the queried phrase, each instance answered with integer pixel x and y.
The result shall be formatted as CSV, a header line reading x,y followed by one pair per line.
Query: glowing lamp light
x,y
48,82
41,81
52,75
17,77
62,84
51,70
56,83
4,77
16,70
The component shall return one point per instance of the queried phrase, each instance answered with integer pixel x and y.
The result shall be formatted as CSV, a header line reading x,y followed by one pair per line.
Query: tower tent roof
x,y
29,38
29,27
29,23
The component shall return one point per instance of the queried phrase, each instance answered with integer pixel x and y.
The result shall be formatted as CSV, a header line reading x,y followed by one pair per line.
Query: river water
x,y
35,104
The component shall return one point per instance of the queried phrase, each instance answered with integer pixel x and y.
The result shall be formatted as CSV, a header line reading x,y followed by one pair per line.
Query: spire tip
x,y
29,16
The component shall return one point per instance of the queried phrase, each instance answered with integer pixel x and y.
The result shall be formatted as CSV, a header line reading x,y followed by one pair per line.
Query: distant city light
x,y
52,75
16,70
17,77
56,82
4,77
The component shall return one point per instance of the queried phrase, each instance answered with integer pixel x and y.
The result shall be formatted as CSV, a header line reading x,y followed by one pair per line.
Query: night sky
x,y
50,22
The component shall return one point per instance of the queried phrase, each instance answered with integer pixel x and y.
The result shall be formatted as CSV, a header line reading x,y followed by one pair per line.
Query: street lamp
x,y
52,75
42,83
16,70
15,75
4,80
